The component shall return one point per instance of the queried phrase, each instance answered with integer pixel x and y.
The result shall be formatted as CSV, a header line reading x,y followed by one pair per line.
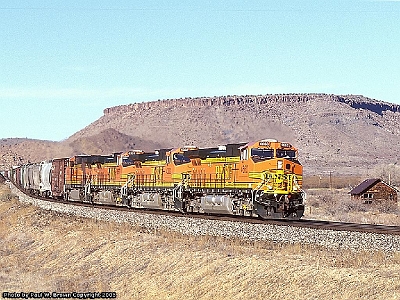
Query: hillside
x,y
21,151
347,134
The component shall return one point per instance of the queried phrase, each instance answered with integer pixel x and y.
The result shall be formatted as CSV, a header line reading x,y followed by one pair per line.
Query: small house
x,y
371,190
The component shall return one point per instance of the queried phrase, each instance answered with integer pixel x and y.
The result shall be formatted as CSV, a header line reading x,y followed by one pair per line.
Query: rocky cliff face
x,y
339,133
354,101
344,132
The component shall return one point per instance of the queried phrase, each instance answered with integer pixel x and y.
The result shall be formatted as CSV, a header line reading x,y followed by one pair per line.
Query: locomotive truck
x,y
258,179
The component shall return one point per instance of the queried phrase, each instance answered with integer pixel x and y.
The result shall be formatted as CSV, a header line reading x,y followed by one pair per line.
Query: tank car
x,y
262,178
35,178
45,178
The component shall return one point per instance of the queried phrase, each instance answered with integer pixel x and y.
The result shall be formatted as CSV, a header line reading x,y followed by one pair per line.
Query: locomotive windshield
x,y
180,159
261,154
126,161
290,154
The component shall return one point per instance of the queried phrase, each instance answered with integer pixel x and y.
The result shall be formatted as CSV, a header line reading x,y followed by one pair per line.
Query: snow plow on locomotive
x,y
261,179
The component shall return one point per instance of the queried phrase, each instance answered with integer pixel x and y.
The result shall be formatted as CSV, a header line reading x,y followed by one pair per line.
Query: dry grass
x,y
336,205
328,198
45,251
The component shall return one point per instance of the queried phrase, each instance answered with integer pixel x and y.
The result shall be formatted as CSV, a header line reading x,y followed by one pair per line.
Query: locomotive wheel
x,y
268,212
295,215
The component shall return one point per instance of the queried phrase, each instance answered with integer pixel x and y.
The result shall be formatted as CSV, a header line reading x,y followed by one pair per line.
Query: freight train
x,y
258,179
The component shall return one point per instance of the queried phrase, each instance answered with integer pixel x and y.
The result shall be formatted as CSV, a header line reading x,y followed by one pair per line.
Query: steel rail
x,y
304,223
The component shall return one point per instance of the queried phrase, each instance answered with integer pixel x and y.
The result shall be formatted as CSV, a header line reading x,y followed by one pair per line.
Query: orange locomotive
x,y
263,179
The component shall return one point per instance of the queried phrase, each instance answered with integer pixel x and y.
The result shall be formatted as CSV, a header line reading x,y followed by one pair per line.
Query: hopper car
x,y
257,179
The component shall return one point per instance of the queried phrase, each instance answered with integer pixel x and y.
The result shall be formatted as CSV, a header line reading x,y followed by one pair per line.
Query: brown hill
x,y
21,151
345,134
108,141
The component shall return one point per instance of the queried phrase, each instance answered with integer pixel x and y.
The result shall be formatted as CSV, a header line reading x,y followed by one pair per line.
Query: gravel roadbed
x,y
333,239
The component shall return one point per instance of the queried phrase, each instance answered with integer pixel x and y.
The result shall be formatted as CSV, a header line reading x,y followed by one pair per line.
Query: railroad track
x,y
303,223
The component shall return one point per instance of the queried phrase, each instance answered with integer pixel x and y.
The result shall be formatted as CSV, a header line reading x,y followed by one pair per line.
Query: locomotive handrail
x,y
124,188
87,188
274,184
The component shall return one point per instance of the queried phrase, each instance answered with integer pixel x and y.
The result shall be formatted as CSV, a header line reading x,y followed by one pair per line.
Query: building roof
x,y
364,186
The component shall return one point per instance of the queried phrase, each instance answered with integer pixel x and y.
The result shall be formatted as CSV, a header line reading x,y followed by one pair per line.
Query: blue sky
x,y
63,62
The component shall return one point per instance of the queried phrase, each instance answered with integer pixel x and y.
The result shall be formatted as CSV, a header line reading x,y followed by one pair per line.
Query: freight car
x,y
260,179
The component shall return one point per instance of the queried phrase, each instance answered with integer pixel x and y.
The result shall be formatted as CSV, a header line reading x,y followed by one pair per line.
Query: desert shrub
x,y
388,172
350,205
335,202
385,206
5,193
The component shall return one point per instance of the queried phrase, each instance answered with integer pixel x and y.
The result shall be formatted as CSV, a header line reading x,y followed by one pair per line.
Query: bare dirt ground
x,y
45,251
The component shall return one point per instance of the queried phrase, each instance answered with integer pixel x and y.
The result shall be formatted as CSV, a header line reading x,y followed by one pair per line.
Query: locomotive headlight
x,y
279,164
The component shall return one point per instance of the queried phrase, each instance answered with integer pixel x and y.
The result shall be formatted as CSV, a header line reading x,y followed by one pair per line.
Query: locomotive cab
x,y
277,178
260,179
181,156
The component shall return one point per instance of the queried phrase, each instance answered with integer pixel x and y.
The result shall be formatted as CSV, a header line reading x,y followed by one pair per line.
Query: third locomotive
x,y
262,178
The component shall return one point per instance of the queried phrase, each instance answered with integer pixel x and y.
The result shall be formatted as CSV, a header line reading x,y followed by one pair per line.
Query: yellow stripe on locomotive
x,y
262,178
